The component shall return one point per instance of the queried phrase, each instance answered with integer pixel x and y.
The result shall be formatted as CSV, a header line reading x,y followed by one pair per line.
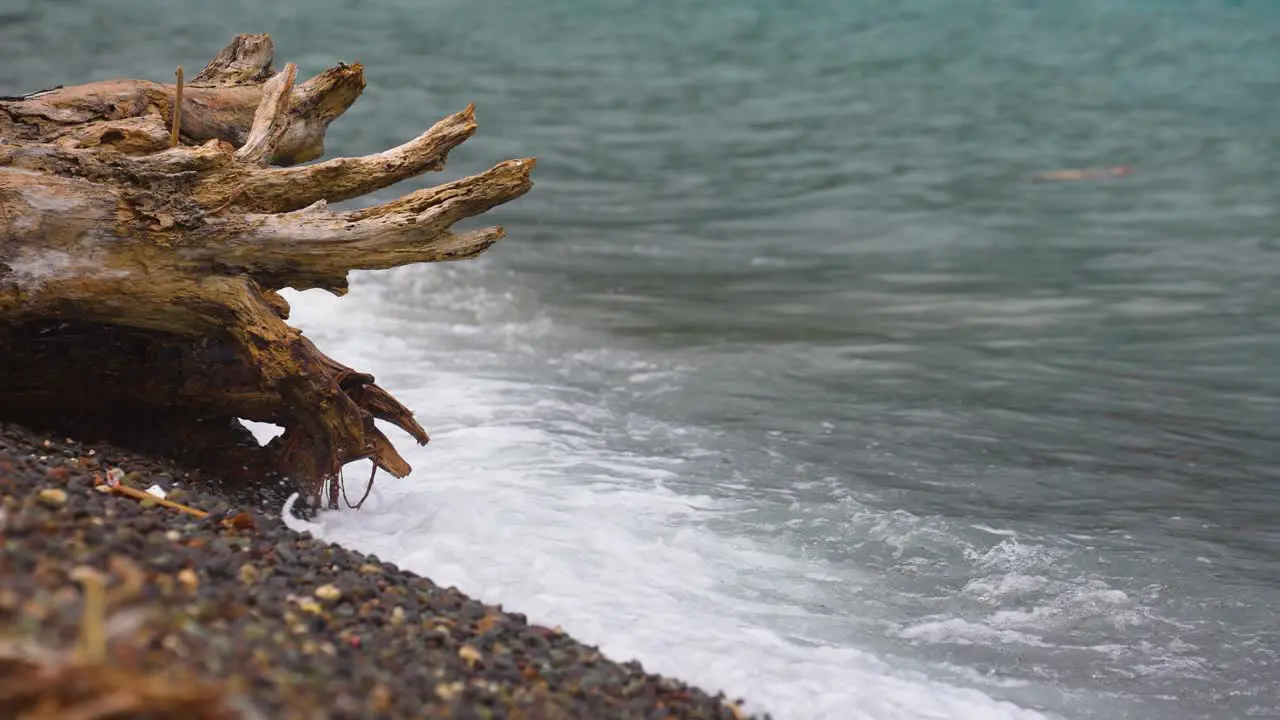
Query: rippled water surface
x,y
789,379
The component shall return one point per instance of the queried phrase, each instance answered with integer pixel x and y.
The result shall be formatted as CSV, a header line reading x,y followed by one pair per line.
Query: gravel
x,y
283,624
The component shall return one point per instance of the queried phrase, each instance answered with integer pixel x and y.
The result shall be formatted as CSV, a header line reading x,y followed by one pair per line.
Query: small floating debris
x,y
1101,173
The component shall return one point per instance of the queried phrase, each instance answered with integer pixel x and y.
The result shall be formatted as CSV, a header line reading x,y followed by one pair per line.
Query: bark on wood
x,y
138,281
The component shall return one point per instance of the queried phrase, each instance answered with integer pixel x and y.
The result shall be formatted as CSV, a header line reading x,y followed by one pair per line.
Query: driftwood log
x,y
145,229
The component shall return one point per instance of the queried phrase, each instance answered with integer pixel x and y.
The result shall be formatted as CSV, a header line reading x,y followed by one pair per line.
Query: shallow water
x,y
788,380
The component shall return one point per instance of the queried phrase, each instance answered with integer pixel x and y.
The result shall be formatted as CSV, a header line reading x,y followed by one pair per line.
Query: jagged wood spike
x,y
175,125
245,60
270,120
138,282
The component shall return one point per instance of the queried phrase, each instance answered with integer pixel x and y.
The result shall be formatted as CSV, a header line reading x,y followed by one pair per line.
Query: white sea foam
x,y
963,632
520,499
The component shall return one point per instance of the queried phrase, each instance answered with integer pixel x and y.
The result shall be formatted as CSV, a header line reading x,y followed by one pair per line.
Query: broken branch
x,y
141,495
315,247
285,189
245,60
271,120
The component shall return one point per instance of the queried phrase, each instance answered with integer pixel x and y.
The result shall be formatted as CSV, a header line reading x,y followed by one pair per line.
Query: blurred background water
x,y
788,379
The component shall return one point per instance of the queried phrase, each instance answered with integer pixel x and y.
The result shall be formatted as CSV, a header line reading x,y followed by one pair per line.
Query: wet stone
x,y
53,497
311,630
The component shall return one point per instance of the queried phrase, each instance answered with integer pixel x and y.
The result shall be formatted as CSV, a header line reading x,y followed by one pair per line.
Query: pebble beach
x,y
114,604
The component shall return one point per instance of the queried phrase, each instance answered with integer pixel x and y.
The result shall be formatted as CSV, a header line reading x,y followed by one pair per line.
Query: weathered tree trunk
x,y
138,280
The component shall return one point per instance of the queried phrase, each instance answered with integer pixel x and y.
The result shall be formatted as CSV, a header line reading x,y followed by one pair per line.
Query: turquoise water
x,y
785,261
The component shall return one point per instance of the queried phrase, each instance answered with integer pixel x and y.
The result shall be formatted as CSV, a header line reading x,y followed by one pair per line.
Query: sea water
x,y
790,380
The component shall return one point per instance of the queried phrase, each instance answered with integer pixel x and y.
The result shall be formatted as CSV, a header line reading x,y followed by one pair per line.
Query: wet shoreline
x,y
300,628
